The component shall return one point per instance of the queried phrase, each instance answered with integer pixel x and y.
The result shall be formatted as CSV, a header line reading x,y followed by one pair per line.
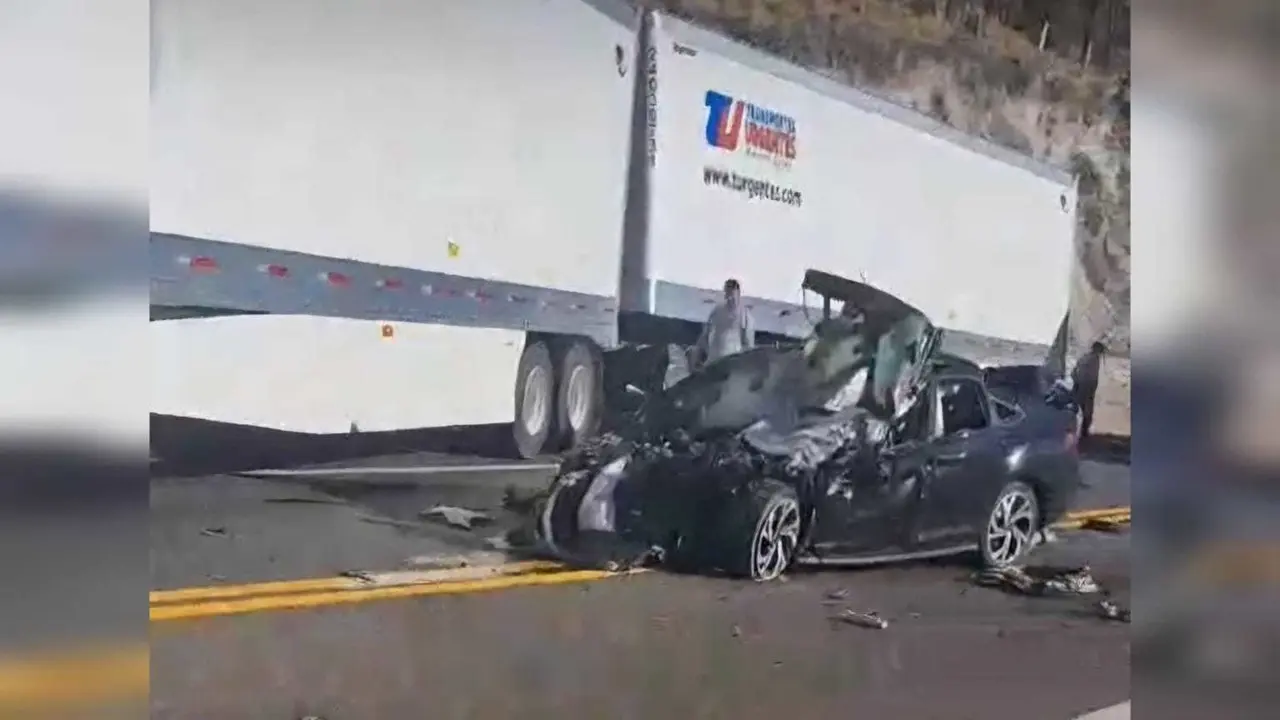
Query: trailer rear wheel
x,y
578,392
534,400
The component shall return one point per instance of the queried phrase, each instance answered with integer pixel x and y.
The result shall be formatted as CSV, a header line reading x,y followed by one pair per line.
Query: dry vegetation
x,y
1046,77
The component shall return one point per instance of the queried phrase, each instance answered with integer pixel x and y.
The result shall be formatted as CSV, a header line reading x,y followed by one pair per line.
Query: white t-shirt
x,y
729,330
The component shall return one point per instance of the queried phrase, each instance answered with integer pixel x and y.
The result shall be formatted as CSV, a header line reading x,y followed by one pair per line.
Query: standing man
x,y
1084,384
729,329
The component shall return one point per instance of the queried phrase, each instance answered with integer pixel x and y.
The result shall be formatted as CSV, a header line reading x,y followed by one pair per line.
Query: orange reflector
x,y
388,331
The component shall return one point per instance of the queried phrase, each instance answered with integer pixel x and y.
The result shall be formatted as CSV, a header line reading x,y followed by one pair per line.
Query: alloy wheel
x,y
776,540
1012,527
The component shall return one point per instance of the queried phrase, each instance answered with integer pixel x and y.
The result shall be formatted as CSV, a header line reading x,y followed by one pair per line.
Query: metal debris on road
x,y
1073,582
499,542
1076,581
214,532
457,517
1046,537
835,596
1109,610
870,620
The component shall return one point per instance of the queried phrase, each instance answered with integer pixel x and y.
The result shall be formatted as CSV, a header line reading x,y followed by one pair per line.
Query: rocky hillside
x,y
1046,77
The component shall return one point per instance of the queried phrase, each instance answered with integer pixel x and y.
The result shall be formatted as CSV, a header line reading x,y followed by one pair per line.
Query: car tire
x,y
761,538
1012,525
579,405
534,401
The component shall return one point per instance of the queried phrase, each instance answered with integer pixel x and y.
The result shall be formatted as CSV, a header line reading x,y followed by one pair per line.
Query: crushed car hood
x,y
870,355
788,413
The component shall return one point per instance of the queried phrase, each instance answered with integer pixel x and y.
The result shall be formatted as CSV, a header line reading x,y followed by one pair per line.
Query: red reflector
x,y
337,279
203,264
277,271
392,284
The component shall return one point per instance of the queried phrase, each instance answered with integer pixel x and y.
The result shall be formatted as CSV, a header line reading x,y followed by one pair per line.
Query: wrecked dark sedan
x,y
863,444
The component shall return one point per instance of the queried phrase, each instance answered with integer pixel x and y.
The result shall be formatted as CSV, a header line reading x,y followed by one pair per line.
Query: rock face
x,y
988,80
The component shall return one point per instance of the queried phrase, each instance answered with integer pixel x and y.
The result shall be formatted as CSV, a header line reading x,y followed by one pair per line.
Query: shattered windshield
x,y
847,360
851,359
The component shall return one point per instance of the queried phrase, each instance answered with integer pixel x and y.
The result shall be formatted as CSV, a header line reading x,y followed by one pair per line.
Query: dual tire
x,y
557,396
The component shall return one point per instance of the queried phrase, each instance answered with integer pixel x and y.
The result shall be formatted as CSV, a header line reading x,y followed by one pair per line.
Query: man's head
x,y
1098,347
732,291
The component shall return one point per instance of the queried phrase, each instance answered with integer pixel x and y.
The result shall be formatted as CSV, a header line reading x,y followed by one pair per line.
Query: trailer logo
x,y
758,130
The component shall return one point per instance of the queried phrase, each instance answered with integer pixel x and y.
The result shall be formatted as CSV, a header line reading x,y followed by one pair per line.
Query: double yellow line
x,y
84,680
90,677
74,681
1105,517
194,603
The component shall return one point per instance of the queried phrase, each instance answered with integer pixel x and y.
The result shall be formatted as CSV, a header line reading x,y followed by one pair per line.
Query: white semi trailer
x,y
375,215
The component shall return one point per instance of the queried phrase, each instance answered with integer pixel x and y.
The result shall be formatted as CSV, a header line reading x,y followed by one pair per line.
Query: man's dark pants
x,y
1084,398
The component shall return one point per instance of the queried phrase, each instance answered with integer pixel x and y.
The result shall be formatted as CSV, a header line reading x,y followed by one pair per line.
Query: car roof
x,y
867,298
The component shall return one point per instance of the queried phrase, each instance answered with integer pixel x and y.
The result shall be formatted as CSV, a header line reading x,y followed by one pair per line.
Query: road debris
x,y
295,500
1046,537
392,522
214,532
871,620
499,542
457,517
361,575
1109,610
1073,581
521,501
836,596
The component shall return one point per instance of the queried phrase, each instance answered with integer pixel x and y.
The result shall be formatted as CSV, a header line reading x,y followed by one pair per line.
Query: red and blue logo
x,y
734,123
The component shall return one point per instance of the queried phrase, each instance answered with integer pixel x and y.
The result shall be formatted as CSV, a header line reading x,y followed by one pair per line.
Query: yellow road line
x,y
79,678
189,611
317,592
1099,513
346,583
1076,522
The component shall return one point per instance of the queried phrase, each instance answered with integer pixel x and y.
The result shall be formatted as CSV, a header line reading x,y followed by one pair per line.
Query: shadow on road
x,y
186,447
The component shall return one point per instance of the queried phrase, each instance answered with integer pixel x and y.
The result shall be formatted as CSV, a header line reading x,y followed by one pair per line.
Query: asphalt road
x,y
226,529
657,645
643,646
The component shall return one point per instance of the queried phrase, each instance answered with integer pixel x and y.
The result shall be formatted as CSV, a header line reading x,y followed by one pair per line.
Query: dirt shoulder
x,y
1111,409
